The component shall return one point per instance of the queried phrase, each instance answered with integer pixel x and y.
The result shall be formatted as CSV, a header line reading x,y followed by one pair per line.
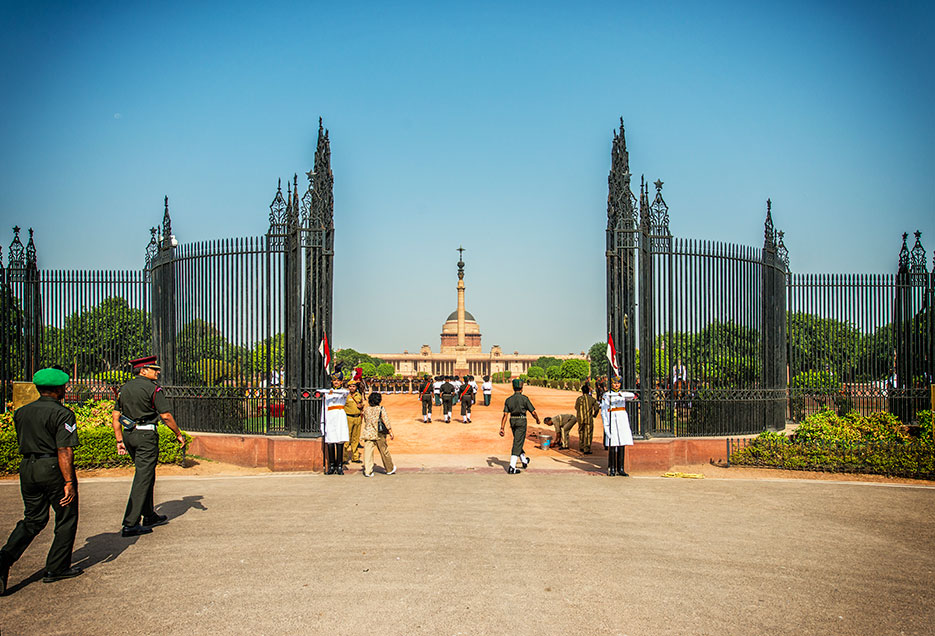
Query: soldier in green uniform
x,y
426,399
515,408
140,405
47,435
447,391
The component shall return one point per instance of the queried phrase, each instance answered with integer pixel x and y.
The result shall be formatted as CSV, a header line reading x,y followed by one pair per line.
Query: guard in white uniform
x,y
617,435
334,422
487,387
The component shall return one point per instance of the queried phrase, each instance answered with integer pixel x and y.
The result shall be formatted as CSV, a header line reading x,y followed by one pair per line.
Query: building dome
x,y
454,316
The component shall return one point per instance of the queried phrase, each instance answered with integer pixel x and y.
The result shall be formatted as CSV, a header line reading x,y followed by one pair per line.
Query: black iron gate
x,y
704,346
242,325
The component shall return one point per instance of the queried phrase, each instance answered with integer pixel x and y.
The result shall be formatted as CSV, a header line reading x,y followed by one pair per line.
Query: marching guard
x,y
426,399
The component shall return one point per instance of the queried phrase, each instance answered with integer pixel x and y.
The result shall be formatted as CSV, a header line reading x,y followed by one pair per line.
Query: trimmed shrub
x,y
97,449
877,443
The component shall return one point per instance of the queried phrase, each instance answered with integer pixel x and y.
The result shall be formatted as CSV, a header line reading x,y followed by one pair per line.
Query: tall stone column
x,y
461,365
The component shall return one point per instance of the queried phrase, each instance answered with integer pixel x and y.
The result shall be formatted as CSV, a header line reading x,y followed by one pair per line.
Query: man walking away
x,y
47,435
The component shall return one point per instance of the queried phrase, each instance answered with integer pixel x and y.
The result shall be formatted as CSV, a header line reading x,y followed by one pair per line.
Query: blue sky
x,y
484,124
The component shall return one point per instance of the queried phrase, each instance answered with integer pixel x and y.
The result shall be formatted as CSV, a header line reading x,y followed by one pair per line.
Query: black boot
x,y
621,453
612,461
329,452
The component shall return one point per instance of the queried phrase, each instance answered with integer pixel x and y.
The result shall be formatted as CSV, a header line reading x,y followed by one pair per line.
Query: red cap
x,y
149,361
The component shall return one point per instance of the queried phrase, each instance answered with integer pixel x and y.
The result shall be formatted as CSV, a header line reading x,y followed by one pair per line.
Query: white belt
x,y
146,427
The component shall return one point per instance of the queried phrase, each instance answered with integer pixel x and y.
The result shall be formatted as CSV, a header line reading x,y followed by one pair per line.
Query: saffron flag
x,y
612,355
325,351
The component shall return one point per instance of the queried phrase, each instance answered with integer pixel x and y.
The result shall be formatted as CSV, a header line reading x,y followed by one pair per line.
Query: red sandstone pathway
x,y
478,445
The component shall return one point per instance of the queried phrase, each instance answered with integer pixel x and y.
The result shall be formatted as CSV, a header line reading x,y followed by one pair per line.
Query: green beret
x,y
50,377
517,384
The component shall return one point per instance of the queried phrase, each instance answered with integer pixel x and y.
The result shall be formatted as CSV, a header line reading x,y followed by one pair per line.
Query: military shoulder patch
x,y
71,427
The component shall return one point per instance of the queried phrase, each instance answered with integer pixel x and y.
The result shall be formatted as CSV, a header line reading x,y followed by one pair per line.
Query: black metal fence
x,y
699,325
721,339
717,339
863,342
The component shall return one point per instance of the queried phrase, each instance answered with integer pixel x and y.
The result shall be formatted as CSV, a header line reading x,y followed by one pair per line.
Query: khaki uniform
x,y
563,424
586,408
353,408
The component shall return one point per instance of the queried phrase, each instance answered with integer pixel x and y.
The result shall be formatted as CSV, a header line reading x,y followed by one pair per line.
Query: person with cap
x,y
456,383
586,408
140,405
353,408
426,399
562,425
617,435
515,408
467,399
437,389
447,391
334,422
47,434
487,388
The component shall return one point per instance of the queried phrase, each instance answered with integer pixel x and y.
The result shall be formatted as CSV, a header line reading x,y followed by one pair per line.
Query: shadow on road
x,y
107,546
178,507
36,576
496,461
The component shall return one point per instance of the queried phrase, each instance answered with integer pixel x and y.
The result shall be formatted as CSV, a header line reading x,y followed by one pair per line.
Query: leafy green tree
x,y
215,372
102,338
368,369
544,362
351,358
535,372
385,370
271,350
198,341
822,344
724,354
554,372
597,354
574,369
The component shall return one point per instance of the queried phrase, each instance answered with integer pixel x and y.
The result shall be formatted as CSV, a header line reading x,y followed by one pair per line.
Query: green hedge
x,y
97,449
877,443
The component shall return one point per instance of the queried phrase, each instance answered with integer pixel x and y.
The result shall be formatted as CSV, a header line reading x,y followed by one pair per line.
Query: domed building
x,y
460,352
450,334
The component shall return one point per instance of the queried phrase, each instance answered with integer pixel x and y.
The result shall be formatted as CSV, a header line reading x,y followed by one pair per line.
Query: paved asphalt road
x,y
436,553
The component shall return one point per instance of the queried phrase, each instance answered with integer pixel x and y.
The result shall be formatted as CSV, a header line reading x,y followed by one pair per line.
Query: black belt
x,y
39,455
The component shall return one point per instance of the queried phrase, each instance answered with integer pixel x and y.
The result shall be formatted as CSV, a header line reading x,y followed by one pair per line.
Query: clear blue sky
x,y
484,124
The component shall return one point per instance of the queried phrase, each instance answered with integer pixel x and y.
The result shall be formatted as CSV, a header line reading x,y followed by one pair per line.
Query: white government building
x,y
460,352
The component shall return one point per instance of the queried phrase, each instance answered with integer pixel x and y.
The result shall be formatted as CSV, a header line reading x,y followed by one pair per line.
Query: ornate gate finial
x,y
17,251
166,227
277,211
31,252
917,264
769,238
904,255
152,248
